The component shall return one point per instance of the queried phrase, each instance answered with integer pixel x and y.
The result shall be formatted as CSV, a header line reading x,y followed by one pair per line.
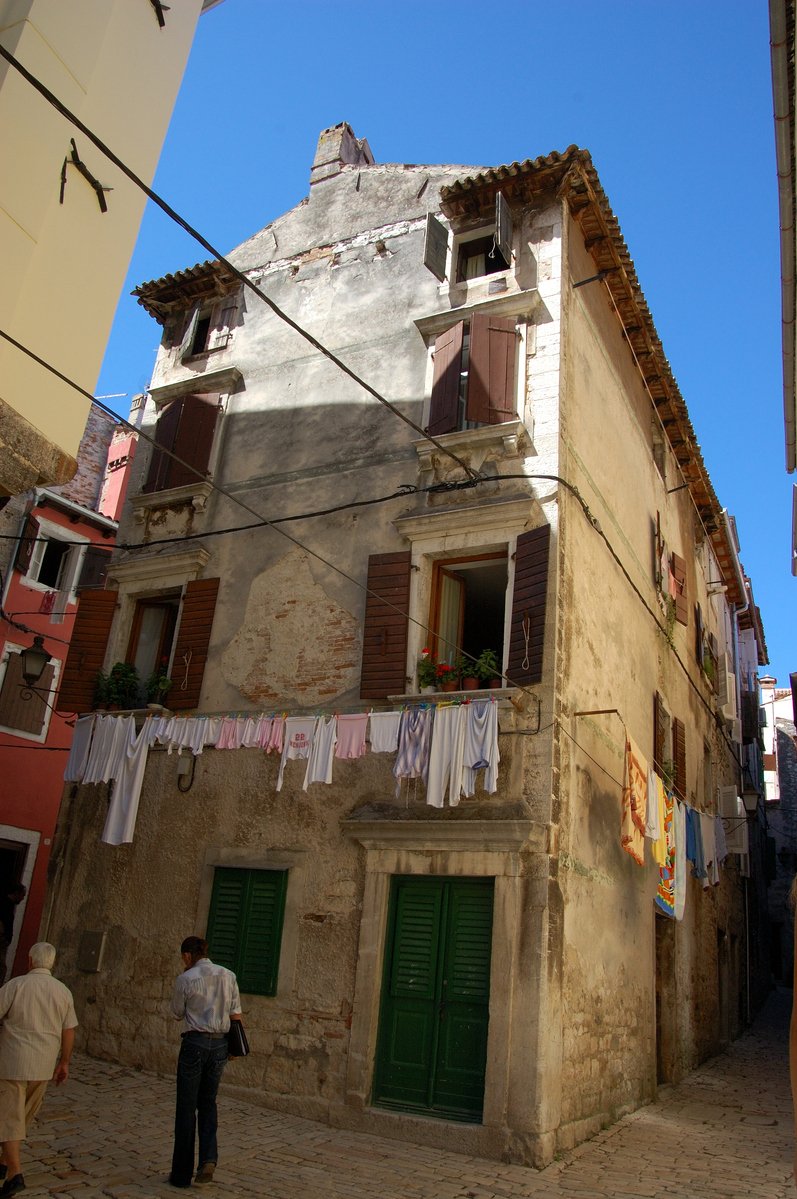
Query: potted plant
x,y
426,671
124,686
487,668
446,676
157,686
468,673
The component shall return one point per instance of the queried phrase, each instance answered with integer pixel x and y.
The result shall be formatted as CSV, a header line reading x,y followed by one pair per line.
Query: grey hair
x,y
42,955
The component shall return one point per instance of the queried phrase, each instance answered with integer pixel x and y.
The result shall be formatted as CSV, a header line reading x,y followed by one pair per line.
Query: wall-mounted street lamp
x,y
34,661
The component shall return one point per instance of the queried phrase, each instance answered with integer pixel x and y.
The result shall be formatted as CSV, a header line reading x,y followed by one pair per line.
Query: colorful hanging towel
x,y
666,888
632,829
679,831
659,846
694,843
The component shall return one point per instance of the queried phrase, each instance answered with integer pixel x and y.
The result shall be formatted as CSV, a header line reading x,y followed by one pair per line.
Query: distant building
x,y
57,541
68,218
780,775
497,965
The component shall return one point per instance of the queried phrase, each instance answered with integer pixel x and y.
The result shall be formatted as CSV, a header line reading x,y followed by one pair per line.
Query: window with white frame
x,y
50,557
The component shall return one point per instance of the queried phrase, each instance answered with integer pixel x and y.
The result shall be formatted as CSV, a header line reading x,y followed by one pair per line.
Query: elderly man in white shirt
x,y
37,1035
206,999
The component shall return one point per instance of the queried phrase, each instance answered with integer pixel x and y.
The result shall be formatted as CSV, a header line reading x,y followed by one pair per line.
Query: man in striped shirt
x,y
36,1040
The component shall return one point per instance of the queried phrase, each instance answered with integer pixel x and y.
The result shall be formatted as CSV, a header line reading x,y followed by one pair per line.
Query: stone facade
x,y
593,998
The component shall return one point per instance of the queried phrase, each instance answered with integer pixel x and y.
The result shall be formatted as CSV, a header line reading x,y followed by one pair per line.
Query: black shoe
x,y
12,1185
172,1183
3,1170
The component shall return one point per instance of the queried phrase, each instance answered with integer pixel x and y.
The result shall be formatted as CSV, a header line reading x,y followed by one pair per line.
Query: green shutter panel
x,y
244,934
262,933
409,1009
226,916
465,995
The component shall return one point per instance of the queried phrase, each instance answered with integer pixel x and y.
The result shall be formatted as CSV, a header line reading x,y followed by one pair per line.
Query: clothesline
x,y
678,833
445,744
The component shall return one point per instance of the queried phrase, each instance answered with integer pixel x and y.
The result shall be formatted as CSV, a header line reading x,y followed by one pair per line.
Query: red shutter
x,y
658,734
86,651
27,544
26,715
679,752
193,639
384,666
491,370
444,409
679,574
527,630
165,434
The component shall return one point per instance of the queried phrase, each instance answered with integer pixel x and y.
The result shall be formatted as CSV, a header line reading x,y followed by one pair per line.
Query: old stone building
x,y
494,960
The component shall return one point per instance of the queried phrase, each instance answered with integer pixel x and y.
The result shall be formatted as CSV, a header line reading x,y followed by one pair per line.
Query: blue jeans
x,y
199,1070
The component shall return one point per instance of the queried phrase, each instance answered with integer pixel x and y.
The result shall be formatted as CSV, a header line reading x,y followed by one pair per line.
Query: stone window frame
x,y
295,862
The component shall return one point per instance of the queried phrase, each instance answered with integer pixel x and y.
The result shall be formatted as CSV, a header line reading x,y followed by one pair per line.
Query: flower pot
x,y
470,683
449,685
427,689
496,682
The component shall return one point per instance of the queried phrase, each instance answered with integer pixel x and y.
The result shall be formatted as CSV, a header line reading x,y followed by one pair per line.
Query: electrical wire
x,y
52,99
322,349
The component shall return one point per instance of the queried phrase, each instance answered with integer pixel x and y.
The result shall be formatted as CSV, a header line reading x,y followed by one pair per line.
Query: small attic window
x,y
482,251
479,256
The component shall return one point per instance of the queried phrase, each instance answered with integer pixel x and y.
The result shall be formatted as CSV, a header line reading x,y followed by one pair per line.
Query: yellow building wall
x,y
64,264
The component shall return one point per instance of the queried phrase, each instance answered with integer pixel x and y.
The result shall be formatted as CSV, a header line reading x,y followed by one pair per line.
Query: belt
x,y
210,1036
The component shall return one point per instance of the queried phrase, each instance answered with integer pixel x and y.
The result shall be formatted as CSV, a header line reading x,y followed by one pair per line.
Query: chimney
x,y
338,147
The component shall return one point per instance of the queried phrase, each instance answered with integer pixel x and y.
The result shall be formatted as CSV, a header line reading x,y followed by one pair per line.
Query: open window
x,y
175,623
52,558
475,369
469,606
210,327
472,603
669,747
152,634
485,250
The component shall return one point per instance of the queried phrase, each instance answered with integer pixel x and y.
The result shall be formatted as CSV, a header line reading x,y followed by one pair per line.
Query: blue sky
x,y
674,103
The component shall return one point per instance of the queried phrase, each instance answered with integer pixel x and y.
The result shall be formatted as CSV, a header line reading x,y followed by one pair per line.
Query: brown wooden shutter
x,y
193,639
444,409
94,568
679,574
491,370
27,715
435,247
503,228
679,753
658,734
384,664
699,634
86,651
527,630
193,439
27,544
186,428
165,434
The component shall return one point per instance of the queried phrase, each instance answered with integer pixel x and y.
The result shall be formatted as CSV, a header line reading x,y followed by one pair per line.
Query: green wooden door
x,y
435,997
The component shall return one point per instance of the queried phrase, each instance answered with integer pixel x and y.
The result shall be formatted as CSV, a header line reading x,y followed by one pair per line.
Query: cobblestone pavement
x,y
724,1131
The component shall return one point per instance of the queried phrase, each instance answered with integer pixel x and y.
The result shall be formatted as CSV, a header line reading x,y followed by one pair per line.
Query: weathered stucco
x,y
592,997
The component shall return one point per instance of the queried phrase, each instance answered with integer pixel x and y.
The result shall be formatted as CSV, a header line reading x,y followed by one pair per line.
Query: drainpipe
x,y
784,154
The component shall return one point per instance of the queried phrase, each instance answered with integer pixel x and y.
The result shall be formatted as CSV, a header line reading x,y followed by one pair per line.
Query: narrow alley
x,y
724,1131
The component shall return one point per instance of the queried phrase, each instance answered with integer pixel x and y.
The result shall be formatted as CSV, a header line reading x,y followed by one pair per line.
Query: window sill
x,y
224,379
464,304
195,494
